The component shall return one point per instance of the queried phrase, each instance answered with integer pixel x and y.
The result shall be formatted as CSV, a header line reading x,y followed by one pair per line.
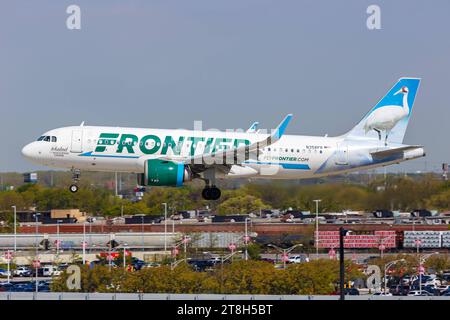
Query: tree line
x,y
240,277
394,193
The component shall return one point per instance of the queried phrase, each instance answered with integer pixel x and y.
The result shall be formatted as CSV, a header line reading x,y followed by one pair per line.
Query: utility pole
x,y
317,227
165,226
342,234
15,228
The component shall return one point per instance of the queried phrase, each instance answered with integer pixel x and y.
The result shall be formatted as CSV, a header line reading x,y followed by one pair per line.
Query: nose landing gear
x,y
75,178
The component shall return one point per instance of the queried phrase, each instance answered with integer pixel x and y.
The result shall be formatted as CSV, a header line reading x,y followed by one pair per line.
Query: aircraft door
x,y
342,153
77,141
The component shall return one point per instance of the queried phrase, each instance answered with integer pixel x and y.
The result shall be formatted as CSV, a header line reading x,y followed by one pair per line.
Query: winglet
x,y
253,127
282,127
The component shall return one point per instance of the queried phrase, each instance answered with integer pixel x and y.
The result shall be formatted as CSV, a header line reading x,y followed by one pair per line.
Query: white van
x,y
49,271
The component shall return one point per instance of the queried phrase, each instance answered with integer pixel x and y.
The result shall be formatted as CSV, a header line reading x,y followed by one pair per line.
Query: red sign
x,y
332,253
246,239
127,253
421,269
232,246
382,247
285,257
84,244
8,255
113,255
418,242
185,240
175,251
36,263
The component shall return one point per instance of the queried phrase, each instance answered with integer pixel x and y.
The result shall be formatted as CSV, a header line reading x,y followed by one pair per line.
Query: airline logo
x,y
151,144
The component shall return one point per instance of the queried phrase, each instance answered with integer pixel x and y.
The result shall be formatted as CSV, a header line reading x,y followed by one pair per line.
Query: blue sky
x,y
228,63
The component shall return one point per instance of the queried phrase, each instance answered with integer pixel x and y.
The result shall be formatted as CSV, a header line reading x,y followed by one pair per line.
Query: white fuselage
x,y
119,149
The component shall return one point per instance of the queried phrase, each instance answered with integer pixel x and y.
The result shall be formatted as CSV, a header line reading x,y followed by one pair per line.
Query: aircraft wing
x,y
387,152
241,153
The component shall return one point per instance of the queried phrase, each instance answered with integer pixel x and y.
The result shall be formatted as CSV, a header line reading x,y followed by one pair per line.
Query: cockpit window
x,y
47,138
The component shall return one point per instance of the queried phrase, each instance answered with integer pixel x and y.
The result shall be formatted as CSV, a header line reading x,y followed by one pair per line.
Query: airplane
x,y
166,157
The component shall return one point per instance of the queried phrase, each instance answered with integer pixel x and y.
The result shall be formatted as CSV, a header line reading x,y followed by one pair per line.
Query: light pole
x,y
15,228
124,256
174,264
317,227
246,239
418,243
422,260
342,233
36,264
285,252
386,267
222,260
142,232
84,242
57,236
165,226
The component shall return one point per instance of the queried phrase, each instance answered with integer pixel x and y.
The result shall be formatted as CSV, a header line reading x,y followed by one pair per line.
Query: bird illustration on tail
x,y
391,114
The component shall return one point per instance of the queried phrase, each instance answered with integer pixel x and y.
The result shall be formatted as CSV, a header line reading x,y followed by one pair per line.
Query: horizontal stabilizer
x,y
390,151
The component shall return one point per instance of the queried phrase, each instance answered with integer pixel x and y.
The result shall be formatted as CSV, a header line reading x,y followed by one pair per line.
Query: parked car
x,y
6,286
268,260
40,272
417,293
380,293
22,271
298,259
49,271
5,273
443,288
351,291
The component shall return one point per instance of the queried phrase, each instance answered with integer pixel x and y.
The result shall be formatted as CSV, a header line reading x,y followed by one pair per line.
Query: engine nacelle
x,y
164,173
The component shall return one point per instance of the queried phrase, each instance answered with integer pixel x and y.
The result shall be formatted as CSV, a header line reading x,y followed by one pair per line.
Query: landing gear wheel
x,y
211,193
215,193
73,188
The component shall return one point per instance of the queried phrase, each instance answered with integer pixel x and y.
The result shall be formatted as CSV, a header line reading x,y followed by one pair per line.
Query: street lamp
x,y
386,267
142,232
422,260
165,226
15,227
285,252
246,238
57,236
342,233
317,227
124,255
174,264
222,260
84,242
36,265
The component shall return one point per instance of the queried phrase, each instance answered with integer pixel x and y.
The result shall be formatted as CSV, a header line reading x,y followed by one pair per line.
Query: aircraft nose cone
x,y
27,151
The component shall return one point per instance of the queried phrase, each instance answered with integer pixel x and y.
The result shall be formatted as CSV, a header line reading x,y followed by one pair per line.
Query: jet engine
x,y
164,173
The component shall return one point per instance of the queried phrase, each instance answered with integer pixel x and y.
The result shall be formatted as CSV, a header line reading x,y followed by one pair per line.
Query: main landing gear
x,y
75,178
210,192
